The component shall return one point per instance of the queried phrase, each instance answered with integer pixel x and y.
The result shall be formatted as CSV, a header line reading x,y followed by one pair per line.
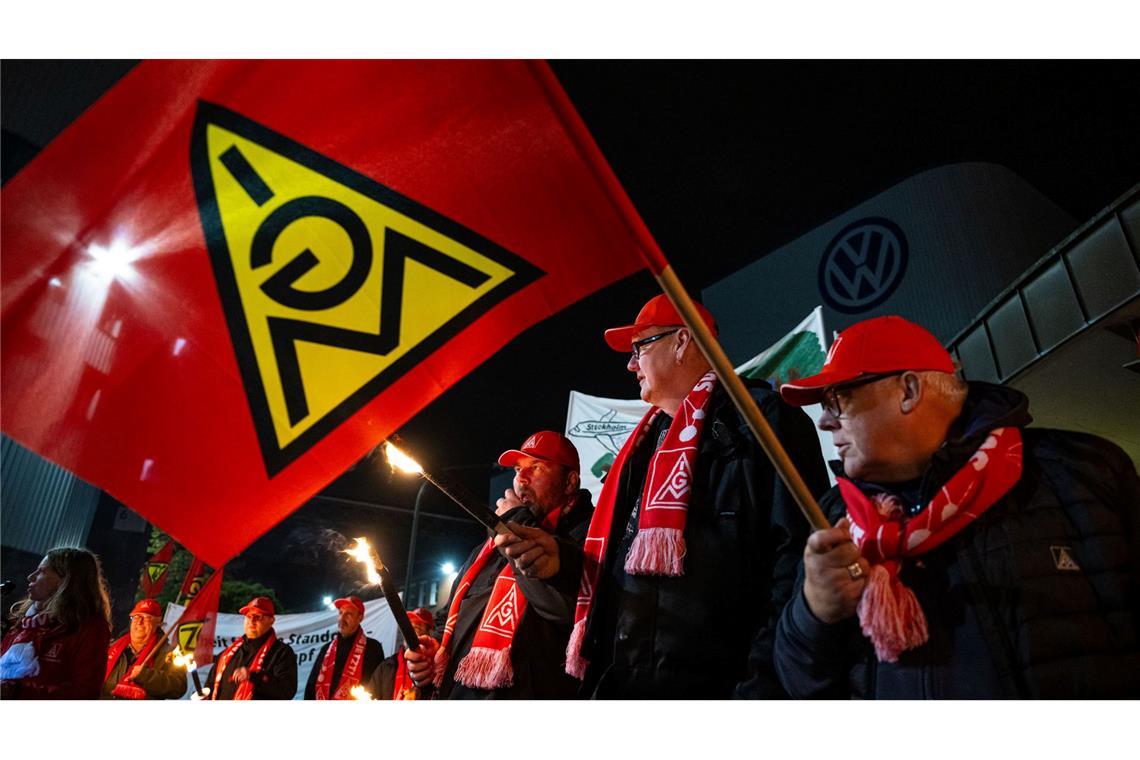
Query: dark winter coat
x,y
160,678
1039,597
276,680
709,632
539,646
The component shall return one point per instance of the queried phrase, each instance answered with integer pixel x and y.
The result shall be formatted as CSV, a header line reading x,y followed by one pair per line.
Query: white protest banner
x,y
598,428
305,633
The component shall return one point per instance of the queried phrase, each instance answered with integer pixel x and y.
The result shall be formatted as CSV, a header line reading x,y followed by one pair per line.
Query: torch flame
x,y
183,659
401,461
359,692
361,551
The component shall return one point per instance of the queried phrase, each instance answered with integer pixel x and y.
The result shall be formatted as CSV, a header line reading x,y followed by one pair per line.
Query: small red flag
x,y
194,629
228,280
154,572
193,581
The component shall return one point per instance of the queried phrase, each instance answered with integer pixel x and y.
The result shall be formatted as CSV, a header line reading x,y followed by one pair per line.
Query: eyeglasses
x,y
637,345
830,399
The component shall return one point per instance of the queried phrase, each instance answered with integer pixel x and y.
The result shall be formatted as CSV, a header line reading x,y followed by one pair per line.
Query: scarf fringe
x,y
657,551
486,668
575,664
128,691
890,615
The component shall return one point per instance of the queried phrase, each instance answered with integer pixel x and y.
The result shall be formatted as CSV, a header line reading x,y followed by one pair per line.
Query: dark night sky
x,y
726,161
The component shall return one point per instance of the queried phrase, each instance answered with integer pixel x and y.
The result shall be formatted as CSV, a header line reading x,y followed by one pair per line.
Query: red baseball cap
x,y
545,445
350,601
147,607
260,604
871,347
657,312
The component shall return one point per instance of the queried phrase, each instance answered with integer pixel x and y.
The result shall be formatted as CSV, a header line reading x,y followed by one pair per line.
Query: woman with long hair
x,y
57,646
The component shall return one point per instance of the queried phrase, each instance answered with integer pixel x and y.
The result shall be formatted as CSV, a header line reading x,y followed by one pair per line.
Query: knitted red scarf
x,y
245,688
889,613
659,546
125,688
405,688
350,676
488,664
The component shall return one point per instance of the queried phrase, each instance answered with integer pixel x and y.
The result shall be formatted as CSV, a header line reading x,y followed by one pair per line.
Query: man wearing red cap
x,y
972,557
505,631
692,550
258,665
138,664
391,679
346,661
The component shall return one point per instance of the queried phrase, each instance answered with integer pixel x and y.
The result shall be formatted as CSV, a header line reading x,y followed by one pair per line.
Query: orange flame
x,y
401,461
183,659
361,693
362,552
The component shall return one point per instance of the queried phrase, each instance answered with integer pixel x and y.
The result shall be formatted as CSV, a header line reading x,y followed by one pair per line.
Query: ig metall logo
x,y
863,265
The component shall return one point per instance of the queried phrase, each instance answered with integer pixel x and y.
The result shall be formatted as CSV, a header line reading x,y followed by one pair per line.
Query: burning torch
x,y
478,510
186,660
378,574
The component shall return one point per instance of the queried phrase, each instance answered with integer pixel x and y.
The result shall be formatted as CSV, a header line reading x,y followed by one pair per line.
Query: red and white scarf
x,y
405,688
350,676
889,613
245,688
488,663
125,688
659,546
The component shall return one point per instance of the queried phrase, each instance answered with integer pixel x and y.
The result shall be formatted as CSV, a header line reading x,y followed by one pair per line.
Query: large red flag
x,y
192,583
194,629
226,281
154,572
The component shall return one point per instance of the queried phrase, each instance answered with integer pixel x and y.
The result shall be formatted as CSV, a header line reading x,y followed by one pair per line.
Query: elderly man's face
x,y
142,628
348,620
540,485
257,625
653,362
866,432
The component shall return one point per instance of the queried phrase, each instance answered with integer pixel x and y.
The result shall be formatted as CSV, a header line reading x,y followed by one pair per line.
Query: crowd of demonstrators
x,y
57,646
693,528
971,556
258,665
139,665
504,630
391,679
348,660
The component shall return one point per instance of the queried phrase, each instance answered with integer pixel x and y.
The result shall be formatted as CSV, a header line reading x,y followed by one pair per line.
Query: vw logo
x,y
863,265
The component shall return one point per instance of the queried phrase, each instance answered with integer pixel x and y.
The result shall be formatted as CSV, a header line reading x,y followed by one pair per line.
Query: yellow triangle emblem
x,y
333,284
154,570
188,635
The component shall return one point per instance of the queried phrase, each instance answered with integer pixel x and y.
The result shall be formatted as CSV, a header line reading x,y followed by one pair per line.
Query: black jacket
x,y
276,680
373,655
539,646
707,633
1039,597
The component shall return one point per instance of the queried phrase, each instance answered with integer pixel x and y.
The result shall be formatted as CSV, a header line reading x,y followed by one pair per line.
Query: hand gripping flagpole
x,y
677,294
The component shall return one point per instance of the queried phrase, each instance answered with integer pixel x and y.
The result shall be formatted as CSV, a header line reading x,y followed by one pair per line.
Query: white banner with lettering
x,y
305,633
